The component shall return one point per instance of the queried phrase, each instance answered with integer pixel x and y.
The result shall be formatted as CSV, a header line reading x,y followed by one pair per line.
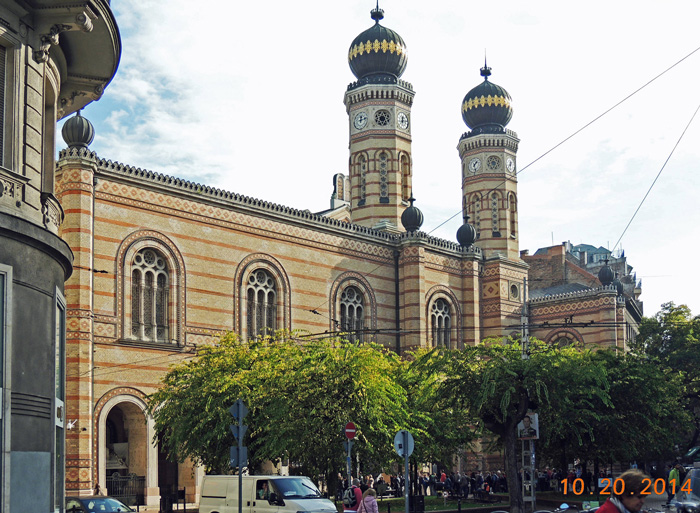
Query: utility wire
x,y
521,170
657,176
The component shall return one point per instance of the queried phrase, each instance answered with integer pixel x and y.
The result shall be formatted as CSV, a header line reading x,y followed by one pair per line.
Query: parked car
x,y
687,499
95,504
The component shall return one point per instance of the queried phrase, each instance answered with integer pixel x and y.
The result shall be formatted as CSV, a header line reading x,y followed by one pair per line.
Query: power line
x,y
521,170
657,176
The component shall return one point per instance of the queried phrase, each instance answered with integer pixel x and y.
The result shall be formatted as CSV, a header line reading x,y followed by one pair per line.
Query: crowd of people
x,y
442,483
462,485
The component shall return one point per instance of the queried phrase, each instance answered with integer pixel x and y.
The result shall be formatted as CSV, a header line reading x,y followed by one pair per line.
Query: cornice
x,y
192,191
604,291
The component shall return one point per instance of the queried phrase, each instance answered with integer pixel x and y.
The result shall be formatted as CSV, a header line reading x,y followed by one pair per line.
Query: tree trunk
x,y
515,493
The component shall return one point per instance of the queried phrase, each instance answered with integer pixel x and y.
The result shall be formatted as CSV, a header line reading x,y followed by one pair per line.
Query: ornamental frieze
x,y
10,189
503,272
484,101
369,46
246,223
591,307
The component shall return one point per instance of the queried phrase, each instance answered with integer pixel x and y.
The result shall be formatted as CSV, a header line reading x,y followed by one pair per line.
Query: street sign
x,y
350,430
239,457
238,410
403,444
238,430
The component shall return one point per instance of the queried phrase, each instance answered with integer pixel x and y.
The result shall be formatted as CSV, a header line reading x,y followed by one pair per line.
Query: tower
x,y
489,197
379,116
488,154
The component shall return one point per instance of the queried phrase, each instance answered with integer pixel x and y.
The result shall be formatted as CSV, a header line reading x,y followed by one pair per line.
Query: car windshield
x,y
104,505
297,488
690,489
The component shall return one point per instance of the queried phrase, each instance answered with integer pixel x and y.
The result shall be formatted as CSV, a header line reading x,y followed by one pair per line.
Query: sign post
x,y
403,444
350,432
239,454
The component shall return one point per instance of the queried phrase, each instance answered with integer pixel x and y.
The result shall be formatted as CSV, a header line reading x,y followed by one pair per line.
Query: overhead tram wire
x,y
580,130
657,176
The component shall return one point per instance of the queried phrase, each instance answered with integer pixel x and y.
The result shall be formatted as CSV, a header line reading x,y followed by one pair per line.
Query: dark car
x,y
687,499
95,504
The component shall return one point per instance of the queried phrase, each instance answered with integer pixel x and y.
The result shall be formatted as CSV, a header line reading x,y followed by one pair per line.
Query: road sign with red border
x,y
350,430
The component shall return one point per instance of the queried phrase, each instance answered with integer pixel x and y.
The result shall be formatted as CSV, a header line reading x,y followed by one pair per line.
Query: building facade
x,y
55,57
164,265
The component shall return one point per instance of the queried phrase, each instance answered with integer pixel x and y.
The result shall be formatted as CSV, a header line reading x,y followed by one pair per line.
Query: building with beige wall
x,y
55,57
163,265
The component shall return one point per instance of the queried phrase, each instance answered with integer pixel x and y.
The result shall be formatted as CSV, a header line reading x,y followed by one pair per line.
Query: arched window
x,y
352,314
150,293
405,178
476,219
261,297
363,179
383,178
513,211
441,323
495,232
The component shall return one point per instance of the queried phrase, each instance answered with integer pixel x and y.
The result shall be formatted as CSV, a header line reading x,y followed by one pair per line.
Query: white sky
x,y
248,97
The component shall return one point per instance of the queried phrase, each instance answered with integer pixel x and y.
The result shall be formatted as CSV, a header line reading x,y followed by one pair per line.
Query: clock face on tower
x,y
402,120
474,165
510,164
360,120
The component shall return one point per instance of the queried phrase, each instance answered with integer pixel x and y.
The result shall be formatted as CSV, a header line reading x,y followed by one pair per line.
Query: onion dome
x,y
466,235
618,285
605,275
377,51
412,217
487,107
78,132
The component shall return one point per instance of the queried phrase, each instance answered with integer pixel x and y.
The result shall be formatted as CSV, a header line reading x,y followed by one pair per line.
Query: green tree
x,y
497,386
639,422
440,430
671,339
300,394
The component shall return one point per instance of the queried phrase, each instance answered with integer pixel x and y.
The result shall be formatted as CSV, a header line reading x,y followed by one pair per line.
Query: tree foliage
x,y
637,422
497,386
671,340
300,395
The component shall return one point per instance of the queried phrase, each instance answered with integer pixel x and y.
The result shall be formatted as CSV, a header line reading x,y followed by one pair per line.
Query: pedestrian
x,y
368,503
630,499
674,480
354,490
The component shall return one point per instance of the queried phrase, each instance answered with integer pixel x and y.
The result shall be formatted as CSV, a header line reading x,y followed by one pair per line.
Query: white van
x,y
263,494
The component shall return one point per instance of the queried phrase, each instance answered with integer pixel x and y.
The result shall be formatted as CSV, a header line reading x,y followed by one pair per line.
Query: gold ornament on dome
x,y
483,101
376,47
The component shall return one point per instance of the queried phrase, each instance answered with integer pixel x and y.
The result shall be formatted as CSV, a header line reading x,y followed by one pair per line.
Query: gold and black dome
x,y
487,107
378,51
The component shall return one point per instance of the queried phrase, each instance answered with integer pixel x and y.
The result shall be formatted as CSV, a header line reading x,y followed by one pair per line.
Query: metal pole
x,y
349,465
407,478
239,403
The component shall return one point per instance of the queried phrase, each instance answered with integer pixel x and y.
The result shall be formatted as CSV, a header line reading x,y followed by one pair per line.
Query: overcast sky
x,y
248,97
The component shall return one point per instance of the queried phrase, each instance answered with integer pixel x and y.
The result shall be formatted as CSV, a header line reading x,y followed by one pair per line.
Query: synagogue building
x,y
163,265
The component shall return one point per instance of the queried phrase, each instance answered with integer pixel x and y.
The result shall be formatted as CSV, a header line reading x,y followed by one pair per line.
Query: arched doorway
x,y
126,452
127,459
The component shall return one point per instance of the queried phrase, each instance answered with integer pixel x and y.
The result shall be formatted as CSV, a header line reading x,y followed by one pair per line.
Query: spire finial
x,y
377,14
485,71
